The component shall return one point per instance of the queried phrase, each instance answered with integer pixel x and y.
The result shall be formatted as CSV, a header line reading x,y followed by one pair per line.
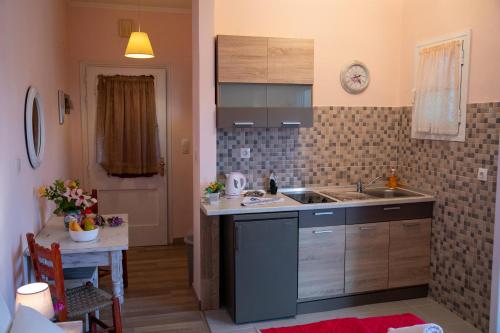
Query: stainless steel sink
x,y
348,196
390,193
371,194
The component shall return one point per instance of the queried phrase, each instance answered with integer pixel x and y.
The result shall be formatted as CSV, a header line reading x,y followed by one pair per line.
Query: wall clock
x,y
355,77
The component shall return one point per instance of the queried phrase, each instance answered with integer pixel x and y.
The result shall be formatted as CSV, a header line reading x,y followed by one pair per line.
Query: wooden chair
x,y
76,302
105,271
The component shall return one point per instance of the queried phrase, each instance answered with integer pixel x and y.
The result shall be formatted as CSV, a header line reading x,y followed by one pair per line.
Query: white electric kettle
x,y
235,183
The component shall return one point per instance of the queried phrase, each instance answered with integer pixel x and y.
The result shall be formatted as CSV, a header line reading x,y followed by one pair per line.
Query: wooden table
x,y
106,250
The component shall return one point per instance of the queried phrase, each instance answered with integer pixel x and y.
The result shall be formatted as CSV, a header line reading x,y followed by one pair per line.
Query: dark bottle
x,y
273,184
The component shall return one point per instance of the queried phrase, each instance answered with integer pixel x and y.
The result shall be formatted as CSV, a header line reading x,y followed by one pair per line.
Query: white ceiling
x,y
145,4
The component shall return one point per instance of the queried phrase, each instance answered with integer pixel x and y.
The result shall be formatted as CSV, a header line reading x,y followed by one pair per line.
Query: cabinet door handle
x,y
367,228
290,123
410,224
236,238
243,123
317,232
323,213
392,208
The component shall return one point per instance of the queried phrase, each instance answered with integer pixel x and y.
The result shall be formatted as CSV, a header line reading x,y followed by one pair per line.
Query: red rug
x,y
352,325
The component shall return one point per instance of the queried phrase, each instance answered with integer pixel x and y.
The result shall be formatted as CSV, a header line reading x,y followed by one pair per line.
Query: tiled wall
x,y
345,145
464,212
351,143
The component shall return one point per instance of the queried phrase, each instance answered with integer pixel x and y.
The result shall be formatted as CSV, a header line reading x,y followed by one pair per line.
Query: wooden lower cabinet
x,y
409,253
366,257
321,262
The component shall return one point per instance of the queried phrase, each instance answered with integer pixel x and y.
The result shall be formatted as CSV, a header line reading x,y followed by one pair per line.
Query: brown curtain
x,y
127,129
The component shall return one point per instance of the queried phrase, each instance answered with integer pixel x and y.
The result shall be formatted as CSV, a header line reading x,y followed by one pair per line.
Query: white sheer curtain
x,y
437,102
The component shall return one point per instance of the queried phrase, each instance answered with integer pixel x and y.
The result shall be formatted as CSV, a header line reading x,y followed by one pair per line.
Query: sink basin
x,y
389,193
348,196
371,194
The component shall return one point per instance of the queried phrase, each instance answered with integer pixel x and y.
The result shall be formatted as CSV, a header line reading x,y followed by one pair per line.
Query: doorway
x,y
144,199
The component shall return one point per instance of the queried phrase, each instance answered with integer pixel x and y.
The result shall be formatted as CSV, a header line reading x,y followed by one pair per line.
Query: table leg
x,y
26,269
117,274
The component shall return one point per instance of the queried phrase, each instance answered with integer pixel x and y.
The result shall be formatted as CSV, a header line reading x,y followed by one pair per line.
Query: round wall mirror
x,y
34,127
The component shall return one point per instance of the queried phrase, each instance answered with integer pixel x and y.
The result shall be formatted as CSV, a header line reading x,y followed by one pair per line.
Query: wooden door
x,y
144,199
290,60
321,261
241,59
367,257
409,253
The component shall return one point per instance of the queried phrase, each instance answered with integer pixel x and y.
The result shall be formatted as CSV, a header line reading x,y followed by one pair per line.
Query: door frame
x,y
169,70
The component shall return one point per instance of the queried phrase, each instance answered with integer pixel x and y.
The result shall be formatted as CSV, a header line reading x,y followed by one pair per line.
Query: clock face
x,y
355,78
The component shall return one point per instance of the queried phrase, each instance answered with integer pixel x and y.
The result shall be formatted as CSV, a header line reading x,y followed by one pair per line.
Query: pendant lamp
x,y
139,46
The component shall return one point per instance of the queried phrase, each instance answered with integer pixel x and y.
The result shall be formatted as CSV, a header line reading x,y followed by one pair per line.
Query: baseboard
x,y
319,305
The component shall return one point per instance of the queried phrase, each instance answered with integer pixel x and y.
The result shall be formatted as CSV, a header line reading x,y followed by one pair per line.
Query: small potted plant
x,y
213,191
71,201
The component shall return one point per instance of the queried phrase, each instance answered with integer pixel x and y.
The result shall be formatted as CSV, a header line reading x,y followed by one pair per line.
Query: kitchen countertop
x,y
232,206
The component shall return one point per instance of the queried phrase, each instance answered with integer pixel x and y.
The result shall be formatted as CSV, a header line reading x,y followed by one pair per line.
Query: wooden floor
x,y
159,298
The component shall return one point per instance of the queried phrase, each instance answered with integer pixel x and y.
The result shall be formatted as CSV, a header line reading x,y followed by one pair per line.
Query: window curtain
x,y
127,129
437,102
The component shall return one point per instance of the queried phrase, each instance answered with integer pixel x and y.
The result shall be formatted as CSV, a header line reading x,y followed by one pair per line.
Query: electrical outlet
x,y
245,152
482,174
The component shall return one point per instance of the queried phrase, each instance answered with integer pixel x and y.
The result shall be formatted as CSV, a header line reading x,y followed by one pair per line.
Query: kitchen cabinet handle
x,y
323,213
410,224
290,123
243,123
392,208
236,238
367,228
317,232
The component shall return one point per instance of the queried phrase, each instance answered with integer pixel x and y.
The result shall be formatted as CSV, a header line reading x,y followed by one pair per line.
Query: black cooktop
x,y
308,197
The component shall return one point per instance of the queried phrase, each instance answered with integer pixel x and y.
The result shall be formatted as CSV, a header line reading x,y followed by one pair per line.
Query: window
x,y
441,81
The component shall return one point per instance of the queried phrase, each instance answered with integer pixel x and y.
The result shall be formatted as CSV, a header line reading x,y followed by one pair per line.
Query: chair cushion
x,y
85,299
29,320
5,317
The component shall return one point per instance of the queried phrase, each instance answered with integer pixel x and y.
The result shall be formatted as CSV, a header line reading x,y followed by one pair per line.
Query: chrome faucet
x,y
360,187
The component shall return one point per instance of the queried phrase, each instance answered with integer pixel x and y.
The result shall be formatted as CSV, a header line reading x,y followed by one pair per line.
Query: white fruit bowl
x,y
84,236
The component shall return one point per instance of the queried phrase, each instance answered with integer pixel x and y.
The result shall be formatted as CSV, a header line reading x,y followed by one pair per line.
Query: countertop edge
x,y
300,207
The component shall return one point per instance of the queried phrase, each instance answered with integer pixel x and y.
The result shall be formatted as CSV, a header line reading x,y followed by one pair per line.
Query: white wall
x,y
204,131
32,52
495,273
343,31
427,19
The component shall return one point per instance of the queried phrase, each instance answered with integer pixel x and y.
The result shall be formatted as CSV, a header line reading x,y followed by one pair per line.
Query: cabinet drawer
x,y
321,218
321,262
241,117
356,215
366,259
409,253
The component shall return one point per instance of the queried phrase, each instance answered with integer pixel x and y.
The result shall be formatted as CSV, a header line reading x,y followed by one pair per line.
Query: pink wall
x,y
33,52
426,19
204,132
343,30
93,38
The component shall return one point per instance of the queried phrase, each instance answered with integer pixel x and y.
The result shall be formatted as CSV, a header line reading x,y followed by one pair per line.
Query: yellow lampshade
x,y
36,296
139,46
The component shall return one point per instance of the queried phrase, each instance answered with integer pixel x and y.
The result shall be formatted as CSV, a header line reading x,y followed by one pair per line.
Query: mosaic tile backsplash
x,y
347,144
464,213
344,146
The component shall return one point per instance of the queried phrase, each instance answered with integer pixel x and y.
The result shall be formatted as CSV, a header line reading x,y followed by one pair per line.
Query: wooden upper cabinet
x,y
290,60
242,59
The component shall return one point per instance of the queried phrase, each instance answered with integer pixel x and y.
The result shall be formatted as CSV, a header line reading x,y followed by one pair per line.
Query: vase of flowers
x,y
71,201
213,191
